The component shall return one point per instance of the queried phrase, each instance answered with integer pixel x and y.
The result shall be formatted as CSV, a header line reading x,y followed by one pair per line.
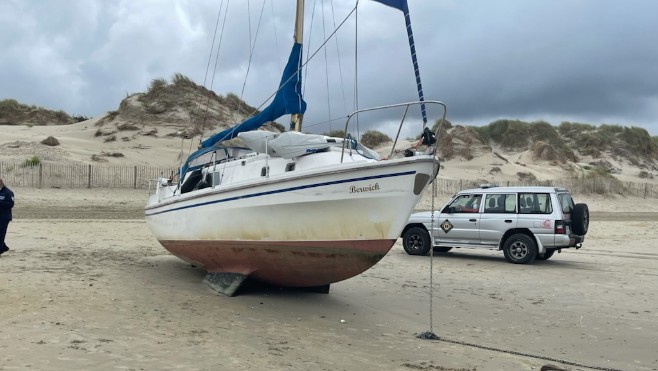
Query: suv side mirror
x,y
448,210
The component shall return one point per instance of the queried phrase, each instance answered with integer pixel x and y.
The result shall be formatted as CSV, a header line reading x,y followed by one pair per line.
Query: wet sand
x,y
86,286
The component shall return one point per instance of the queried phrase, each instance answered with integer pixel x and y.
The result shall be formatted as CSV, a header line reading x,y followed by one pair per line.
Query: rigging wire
x,y
308,50
303,65
326,66
325,122
249,21
212,44
276,41
219,48
205,77
276,38
356,68
219,45
306,62
340,68
252,47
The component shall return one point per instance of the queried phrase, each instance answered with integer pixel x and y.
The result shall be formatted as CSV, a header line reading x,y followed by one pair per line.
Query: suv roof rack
x,y
488,185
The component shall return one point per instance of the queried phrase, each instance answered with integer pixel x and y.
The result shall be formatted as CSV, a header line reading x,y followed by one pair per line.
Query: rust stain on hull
x,y
284,263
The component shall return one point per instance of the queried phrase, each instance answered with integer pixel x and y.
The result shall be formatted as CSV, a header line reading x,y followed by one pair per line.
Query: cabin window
x,y
290,166
265,171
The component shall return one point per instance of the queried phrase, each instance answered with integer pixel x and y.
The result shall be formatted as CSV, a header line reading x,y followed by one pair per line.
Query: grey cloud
x,y
586,60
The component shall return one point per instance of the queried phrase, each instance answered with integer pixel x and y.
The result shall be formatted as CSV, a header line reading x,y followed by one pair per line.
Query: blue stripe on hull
x,y
285,190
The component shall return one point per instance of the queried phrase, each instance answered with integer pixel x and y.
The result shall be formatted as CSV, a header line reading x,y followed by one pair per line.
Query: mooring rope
x,y
529,355
430,335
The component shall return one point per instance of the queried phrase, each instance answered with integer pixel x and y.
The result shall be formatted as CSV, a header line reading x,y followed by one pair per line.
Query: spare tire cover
x,y
580,219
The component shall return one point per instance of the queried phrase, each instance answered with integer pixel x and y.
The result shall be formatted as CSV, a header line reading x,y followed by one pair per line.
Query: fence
x,y
577,186
47,175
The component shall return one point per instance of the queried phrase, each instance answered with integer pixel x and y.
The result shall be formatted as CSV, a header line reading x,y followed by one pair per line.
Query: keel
x,y
225,283
324,289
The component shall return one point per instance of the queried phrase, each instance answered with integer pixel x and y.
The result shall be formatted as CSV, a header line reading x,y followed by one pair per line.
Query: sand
x,y
86,286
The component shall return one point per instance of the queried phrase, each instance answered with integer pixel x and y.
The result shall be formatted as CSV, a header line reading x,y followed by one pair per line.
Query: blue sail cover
x,y
287,100
399,4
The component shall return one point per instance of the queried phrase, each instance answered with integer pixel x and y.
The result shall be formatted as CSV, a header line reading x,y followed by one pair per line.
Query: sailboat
x,y
290,209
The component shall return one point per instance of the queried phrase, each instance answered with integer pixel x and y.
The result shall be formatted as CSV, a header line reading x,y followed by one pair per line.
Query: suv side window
x,y
500,203
535,203
566,202
466,203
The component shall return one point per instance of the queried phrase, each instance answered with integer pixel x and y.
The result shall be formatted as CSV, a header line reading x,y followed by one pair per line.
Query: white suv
x,y
527,223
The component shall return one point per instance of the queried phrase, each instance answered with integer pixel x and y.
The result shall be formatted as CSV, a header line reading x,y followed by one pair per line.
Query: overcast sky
x,y
593,61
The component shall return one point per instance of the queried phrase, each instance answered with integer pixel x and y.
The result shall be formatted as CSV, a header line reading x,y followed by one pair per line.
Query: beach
x,y
86,286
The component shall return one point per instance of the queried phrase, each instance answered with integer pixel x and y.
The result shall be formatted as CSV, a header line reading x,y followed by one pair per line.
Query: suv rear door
x,y
535,209
566,203
498,216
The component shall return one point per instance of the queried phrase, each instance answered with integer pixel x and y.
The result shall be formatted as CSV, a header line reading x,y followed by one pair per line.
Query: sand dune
x,y
80,141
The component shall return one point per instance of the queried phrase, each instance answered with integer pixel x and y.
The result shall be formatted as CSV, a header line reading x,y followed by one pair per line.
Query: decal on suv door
x,y
446,226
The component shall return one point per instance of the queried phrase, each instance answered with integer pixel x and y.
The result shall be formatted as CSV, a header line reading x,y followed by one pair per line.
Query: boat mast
x,y
296,118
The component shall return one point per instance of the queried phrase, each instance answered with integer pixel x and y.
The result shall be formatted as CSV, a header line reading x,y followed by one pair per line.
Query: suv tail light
x,y
560,227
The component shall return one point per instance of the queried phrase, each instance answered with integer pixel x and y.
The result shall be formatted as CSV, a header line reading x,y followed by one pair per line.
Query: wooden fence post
x,y
135,177
89,177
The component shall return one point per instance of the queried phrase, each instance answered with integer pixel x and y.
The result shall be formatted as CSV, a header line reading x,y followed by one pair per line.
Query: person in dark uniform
x,y
427,138
6,203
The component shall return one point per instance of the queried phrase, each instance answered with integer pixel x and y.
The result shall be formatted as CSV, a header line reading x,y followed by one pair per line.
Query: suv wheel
x,y
416,241
580,219
520,249
547,255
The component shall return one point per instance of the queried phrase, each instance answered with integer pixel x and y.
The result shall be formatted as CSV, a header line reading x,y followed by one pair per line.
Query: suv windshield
x,y
465,204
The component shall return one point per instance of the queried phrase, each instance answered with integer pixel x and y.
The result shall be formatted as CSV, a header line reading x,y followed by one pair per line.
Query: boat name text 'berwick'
x,y
369,188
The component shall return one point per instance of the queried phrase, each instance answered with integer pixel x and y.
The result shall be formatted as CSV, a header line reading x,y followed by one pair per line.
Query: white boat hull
x,y
311,229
